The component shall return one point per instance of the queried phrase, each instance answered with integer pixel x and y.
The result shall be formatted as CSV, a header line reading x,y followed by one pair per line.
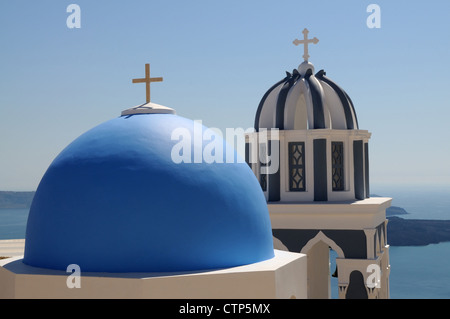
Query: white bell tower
x,y
312,161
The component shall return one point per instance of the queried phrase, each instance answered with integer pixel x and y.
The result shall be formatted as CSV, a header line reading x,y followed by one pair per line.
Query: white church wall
x,y
281,277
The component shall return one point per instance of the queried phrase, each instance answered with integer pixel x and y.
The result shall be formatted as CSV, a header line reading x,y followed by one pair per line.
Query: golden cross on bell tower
x,y
305,42
147,80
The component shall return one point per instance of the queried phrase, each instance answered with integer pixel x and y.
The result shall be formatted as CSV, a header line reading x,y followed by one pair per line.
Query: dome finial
x,y
305,43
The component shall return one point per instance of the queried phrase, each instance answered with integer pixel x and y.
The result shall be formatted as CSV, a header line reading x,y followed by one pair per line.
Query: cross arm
x,y
139,80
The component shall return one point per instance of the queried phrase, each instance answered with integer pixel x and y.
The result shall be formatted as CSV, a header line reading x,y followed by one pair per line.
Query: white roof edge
x,y
148,108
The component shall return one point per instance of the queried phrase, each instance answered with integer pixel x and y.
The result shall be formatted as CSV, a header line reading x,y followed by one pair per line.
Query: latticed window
x,y
297,166
263,182
263,176
337,165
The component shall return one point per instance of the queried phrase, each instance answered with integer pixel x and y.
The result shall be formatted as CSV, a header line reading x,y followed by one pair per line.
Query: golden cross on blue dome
x,y
147,80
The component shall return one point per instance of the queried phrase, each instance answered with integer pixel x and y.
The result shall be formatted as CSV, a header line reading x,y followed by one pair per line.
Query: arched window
x,y
356,288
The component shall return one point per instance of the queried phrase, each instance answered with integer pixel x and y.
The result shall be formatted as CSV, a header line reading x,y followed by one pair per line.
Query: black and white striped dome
x,y
304,101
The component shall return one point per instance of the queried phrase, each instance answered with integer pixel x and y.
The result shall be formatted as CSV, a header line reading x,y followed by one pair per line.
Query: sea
x,y
417,272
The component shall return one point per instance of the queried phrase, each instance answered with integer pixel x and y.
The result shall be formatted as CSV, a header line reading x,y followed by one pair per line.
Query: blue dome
x,y
115,201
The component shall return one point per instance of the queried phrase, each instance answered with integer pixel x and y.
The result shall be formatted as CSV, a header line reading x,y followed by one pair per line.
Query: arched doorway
x,y
319,273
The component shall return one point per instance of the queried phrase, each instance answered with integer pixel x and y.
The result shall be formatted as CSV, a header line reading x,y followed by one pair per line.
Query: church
x,y
319,198
136,224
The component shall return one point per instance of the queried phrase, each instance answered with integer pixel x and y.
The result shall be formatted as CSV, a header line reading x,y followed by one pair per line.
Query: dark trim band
x,y
281,102
263,100
316,96
358,166
346,103
320,170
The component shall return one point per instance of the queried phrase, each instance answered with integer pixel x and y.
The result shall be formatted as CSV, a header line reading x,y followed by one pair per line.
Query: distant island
x,y
16,199
401,231
414,232
417,232
395,211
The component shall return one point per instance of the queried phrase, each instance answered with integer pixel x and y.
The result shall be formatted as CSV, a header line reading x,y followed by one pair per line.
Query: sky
x,y
218,58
